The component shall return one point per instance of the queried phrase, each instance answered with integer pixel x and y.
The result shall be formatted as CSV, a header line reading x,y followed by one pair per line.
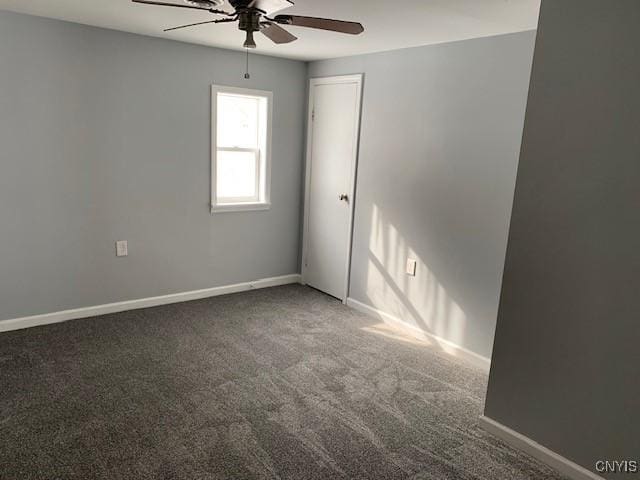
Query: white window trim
x,y
264,161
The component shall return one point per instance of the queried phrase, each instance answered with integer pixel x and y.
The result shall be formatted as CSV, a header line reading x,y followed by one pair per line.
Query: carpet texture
x,y
278,383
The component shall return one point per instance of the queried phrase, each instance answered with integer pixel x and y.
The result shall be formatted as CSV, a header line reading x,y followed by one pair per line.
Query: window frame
x,y
263,161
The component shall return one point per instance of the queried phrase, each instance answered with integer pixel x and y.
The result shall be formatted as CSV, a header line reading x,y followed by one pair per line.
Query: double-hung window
x,y
241,144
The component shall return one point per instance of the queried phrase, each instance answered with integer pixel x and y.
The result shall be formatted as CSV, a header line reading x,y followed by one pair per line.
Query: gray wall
x,y
566,356
440,137
105,136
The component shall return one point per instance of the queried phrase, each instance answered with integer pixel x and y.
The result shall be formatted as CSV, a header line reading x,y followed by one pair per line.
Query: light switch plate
x,y
411,267
122,248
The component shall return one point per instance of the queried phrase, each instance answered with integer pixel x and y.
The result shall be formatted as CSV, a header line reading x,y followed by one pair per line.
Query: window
x,y
241,144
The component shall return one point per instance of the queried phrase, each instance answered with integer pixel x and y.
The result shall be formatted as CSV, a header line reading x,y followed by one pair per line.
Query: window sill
x,y
240,207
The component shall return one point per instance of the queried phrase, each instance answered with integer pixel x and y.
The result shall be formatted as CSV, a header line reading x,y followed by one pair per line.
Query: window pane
x,y
236,175
238,121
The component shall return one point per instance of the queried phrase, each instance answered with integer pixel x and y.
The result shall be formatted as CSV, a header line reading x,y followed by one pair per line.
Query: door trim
x,y
313,83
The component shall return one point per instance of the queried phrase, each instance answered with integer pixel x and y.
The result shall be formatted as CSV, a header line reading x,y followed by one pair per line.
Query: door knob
x,y
344,197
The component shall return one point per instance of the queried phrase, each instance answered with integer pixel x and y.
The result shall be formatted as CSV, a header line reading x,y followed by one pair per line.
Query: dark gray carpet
x,y
277,383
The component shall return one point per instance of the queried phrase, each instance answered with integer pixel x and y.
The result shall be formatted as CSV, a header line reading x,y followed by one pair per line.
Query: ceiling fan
x,y
256,16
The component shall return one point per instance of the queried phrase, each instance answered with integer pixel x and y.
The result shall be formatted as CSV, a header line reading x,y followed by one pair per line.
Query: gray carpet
x,y
277,383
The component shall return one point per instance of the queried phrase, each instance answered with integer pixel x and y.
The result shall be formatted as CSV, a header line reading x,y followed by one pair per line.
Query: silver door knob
x,y
344,197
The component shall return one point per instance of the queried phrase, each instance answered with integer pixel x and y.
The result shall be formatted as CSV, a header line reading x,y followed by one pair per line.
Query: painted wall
x,y
566,356
440,137
104,136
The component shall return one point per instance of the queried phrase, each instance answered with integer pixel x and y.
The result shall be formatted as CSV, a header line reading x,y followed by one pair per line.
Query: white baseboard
x,y
446,345
63,316
537,451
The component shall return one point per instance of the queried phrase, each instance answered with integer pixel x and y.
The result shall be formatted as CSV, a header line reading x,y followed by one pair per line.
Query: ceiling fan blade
x,y
271,6
277,34
189,25
352,28
164,4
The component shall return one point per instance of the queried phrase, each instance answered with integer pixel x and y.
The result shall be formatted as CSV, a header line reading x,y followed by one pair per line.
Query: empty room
x,y
319,239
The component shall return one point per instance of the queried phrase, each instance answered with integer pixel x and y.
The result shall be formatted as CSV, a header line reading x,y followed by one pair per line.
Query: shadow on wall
x,y
421,301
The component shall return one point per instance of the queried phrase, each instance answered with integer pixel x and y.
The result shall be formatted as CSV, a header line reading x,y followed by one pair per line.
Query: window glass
x,y
237,174
238,119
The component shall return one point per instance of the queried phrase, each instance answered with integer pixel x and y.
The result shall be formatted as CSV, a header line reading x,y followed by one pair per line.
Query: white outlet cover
x,y
411,267
122,248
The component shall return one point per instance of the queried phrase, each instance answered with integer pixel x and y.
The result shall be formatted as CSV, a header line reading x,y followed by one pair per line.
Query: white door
x,y
331,165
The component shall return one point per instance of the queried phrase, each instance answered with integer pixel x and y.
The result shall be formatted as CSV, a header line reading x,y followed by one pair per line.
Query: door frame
x,y
313,83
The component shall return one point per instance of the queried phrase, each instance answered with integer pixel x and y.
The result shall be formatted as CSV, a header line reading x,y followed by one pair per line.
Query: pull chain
x,y
247,76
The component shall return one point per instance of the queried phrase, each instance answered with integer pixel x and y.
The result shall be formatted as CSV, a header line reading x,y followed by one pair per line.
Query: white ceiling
x,y
389,24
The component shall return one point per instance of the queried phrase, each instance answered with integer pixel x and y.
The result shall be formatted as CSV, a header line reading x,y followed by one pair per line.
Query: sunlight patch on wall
x,y
422,300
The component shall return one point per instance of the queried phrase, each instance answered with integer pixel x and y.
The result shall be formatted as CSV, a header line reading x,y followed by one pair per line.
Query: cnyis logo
x,y
617,466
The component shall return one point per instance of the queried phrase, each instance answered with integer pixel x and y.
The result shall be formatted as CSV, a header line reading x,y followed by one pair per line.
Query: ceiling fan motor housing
x,y
249,21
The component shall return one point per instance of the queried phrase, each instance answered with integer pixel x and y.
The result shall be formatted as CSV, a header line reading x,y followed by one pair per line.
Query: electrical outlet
x,y
411,267
122,248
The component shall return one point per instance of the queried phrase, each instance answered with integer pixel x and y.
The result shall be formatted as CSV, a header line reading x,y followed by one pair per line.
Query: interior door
x,y
331,165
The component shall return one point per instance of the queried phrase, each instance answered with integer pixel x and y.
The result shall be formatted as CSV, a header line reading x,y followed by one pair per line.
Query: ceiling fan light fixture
x,y
249,42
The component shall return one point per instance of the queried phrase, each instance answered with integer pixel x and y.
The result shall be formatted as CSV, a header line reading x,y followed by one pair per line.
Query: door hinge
x,y
313,115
